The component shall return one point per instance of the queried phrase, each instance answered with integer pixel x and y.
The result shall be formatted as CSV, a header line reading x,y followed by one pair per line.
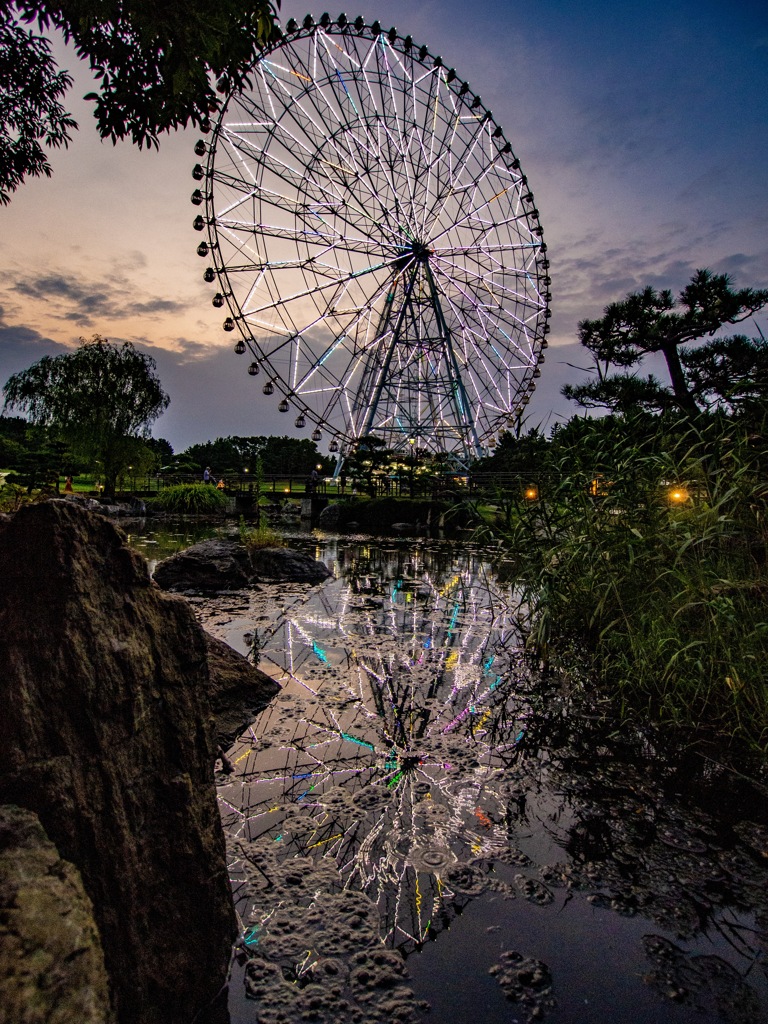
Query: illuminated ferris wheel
x,y
375,241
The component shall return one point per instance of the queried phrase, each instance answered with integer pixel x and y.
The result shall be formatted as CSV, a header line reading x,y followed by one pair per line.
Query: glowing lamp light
x,y
677,495
531,493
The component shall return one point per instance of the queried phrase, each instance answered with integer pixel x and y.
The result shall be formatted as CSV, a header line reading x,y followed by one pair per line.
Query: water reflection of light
x,y
423,765
415,683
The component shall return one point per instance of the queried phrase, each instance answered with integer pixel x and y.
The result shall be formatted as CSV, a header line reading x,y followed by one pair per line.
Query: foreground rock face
x,y
51,960
238,690
213,566
107,735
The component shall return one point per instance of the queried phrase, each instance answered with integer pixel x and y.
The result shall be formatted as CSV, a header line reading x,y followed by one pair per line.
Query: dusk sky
x,y
643,130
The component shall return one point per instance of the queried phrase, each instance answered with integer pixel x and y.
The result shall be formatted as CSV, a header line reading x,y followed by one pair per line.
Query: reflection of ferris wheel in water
x,y
403,717
375,241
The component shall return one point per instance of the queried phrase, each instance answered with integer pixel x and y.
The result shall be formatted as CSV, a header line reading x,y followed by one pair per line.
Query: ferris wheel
x,y
375,242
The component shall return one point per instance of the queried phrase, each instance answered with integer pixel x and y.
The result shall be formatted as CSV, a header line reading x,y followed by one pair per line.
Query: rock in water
x,y
286,564
107,735
207,567
51,960
213,566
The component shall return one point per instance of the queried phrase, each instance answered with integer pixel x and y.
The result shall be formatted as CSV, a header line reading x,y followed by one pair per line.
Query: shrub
x,y
191,499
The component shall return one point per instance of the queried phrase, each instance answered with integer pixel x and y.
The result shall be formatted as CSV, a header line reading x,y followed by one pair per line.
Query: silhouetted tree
x,y
100,398
156,65
711,376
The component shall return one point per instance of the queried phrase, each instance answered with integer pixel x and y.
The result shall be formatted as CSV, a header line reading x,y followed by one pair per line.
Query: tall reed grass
x,y
669,594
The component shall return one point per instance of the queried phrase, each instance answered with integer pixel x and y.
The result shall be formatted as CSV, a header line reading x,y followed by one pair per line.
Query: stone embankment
x,y
108,738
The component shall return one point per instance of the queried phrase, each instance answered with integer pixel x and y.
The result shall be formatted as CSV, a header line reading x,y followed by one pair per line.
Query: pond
x,y
425,826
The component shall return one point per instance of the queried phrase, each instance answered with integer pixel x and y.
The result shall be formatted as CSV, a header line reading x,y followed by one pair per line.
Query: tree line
x,y
95,407
92,410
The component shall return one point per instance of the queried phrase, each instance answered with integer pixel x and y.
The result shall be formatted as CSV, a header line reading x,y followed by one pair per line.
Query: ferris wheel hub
x,y
420,252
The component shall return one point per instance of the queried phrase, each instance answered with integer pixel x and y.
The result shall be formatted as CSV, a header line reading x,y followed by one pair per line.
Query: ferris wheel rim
x,y
443,258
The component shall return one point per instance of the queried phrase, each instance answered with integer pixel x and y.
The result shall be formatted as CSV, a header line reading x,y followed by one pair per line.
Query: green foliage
x,y
100,398
414,470
156,65
276,455
12,497
35,456
668,596
191,499
30,113
259,536
720,375
161,449
525,454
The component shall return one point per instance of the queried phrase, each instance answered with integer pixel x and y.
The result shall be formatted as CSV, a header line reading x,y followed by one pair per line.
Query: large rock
x,y
107,735
210,566
287,565
213,566
238,690
51,959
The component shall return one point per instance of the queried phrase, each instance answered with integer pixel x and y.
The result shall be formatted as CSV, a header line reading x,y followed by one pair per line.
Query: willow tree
x,y
100,398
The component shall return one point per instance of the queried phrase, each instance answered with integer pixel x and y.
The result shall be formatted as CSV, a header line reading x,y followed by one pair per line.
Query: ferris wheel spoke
x,y
483,344
400,140
456,175
397,139
322,287
351,125
456,191
471,282
326,241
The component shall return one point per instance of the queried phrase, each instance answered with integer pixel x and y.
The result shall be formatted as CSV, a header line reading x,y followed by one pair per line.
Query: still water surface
x,y
424,826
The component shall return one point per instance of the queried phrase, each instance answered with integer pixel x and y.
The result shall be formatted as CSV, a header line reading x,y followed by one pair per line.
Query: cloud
x,y
212,396
78,299
20,347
